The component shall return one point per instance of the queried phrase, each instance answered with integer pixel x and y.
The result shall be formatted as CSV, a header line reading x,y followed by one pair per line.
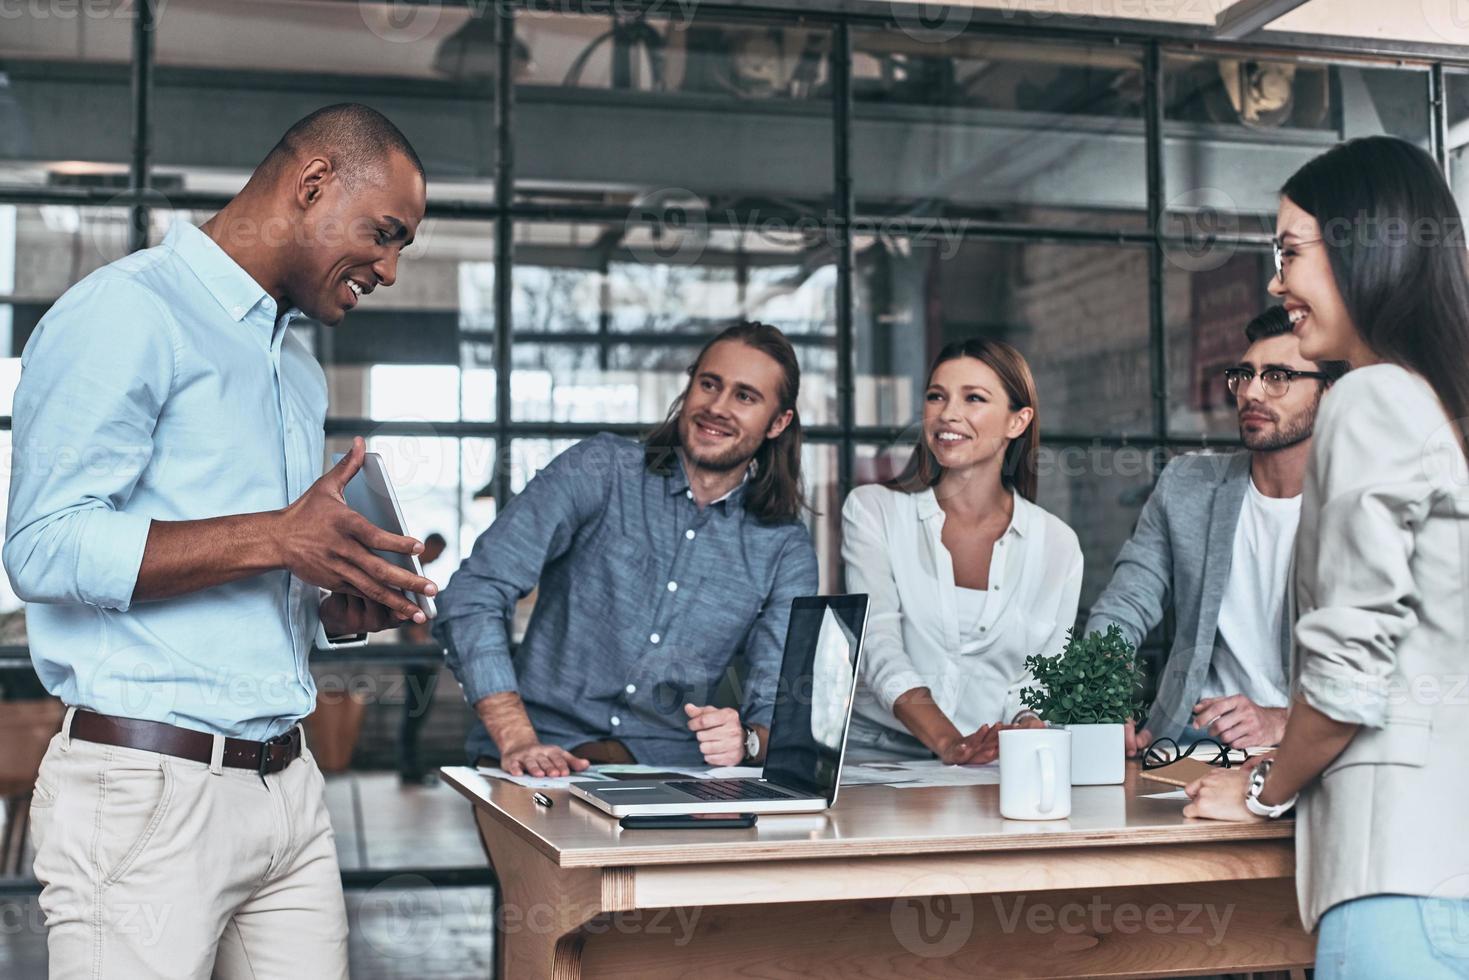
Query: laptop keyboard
x,y
729,790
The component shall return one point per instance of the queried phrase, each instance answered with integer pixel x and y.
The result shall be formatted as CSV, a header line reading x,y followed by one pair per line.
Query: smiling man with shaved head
x,y
179,555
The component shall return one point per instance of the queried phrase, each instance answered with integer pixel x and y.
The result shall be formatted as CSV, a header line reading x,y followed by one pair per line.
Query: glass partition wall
x,y
608,189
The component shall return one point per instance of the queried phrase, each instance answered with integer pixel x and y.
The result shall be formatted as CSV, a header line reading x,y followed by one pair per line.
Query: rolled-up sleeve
x,y
538,526
796,574
1371,466
886,667
95,376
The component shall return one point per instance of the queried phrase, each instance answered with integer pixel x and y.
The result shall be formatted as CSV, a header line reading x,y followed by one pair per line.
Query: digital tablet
x,y
370,493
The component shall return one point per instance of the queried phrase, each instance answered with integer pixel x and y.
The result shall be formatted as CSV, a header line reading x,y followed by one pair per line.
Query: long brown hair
x,y
1018,471
775,493
1407,295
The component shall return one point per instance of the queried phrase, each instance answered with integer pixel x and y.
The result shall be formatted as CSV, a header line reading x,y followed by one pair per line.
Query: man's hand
x,y
1238,722
1135,743
721,736
1220,796
326,543
540,760
343,615
521,752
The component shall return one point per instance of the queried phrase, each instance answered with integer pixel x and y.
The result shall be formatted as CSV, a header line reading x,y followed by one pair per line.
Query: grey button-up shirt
x,y
644,602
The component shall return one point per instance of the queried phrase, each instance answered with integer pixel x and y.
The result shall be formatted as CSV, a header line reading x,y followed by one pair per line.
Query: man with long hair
x,y
657,562
1228,674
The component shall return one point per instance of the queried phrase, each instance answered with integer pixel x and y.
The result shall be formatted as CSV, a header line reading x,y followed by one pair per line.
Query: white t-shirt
x,y
971,610
1247,658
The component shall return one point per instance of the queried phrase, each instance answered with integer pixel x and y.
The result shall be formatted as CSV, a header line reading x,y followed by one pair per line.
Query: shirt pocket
x,y
1402,741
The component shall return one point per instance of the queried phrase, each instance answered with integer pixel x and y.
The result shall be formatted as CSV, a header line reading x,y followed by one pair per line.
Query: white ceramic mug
x,y
1035,774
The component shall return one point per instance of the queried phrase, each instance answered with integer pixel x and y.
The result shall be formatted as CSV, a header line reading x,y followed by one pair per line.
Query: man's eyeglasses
x,y
1275,381
1283,252
1165,751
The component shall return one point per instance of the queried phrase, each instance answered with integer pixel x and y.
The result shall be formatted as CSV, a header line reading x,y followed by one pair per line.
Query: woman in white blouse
x,y
967,575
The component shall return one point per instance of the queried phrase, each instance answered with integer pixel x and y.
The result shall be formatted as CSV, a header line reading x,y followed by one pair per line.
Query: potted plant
x,y
1090,688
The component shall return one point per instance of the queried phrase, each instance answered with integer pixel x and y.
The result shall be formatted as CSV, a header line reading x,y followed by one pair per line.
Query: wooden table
x,y
891,883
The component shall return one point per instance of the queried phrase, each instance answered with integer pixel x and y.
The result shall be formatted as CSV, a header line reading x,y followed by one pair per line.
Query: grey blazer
x,y
1181,552
1382,639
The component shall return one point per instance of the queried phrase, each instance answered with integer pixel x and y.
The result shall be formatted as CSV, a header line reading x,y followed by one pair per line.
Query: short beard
x,y
1285,437
735,458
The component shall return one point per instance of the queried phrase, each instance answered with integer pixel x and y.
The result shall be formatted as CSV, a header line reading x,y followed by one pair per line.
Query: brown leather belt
x,y
185,743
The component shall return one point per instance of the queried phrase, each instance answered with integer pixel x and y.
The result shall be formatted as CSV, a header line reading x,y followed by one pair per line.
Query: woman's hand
x,y
1221,796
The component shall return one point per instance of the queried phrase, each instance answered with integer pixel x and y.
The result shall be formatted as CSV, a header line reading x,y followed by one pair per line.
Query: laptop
x,y
808,732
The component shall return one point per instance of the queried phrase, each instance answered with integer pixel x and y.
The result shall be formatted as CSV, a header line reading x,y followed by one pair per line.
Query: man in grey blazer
x,y
1215,541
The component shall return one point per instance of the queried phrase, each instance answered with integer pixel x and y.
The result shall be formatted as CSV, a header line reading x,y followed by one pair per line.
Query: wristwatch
x,y
1252,798
752,744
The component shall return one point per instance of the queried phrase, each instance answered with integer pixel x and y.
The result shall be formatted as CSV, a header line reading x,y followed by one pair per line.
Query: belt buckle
x,y
264,759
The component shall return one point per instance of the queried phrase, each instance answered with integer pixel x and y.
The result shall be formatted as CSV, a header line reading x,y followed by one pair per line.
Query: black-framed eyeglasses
x,y
1283,252
1275,381
1165,751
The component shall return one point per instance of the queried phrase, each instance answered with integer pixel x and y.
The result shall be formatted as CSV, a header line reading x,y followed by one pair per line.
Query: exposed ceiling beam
x,y
1247,16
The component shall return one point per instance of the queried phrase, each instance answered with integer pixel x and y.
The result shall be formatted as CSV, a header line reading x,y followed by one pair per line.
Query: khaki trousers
x,y
155,866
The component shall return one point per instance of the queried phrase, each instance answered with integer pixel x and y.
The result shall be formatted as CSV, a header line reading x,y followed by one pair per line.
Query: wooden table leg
x,y
543,908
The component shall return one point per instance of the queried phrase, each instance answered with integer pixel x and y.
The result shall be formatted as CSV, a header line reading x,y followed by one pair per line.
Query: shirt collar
x,y
230,285
928,508
677,481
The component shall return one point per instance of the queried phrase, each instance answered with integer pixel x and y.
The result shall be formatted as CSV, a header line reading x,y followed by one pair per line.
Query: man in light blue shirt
x,y
170,535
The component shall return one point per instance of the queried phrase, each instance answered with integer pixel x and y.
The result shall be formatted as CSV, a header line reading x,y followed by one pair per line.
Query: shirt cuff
x,y
112,546
480,674
759,714
1343,695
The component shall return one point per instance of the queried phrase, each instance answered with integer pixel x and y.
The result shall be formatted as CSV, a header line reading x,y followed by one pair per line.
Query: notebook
x,y
1180,773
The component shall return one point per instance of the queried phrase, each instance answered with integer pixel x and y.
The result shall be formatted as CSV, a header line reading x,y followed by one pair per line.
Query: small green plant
x,y
1096,680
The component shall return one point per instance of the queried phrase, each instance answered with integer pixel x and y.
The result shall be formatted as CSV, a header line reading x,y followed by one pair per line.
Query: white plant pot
x,y
1098,756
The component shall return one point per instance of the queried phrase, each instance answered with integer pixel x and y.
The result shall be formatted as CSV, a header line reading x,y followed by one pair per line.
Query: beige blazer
x,y
1382,639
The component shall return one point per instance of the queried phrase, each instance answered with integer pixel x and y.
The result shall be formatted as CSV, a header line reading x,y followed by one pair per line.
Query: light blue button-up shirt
x,y
164,386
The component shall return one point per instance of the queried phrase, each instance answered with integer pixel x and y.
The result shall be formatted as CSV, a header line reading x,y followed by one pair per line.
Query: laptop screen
x,y
813,703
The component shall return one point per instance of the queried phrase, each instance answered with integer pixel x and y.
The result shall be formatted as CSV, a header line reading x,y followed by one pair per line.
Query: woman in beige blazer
x,y
1371,265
